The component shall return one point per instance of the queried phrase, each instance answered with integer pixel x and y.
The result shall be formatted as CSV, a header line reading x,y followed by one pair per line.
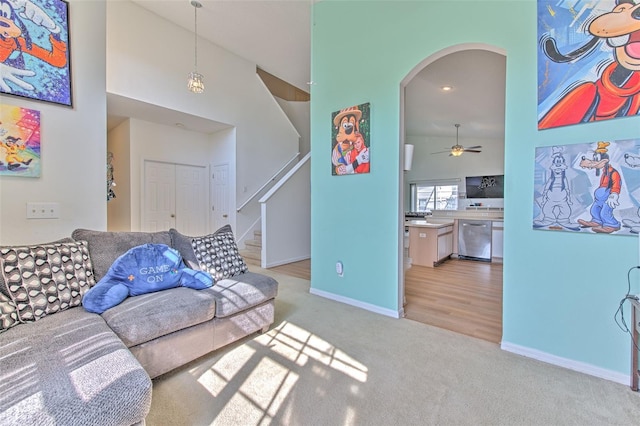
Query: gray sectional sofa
x,y
62,365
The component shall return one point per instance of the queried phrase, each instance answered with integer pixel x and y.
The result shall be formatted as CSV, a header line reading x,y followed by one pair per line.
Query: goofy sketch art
x,y
556,198
609,86
606,195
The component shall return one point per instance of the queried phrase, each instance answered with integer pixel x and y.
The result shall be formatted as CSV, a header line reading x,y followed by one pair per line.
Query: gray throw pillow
x,y
218,255
3,286
184,244
8,313
47,278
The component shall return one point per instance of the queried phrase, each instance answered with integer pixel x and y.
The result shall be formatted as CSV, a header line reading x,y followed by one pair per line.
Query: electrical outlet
x,y
339,268
43,210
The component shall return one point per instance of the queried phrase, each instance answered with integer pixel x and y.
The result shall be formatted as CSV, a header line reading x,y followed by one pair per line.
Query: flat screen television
x,y
485,186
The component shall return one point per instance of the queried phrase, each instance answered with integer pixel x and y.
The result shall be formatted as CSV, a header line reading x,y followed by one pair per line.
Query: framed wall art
x,y
19,141
590,188
587,61
35,51
350,140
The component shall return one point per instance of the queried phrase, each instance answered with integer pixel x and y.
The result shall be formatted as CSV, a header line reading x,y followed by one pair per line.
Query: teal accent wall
x,y
561,290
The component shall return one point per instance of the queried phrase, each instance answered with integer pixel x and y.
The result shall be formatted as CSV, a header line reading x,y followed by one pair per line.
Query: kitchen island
x,y
430,241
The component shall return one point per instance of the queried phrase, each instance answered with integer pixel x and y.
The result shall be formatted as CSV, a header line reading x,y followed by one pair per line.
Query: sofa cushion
x,y
8,313
47,278
143,318
241,292
105,247
218,254
70,369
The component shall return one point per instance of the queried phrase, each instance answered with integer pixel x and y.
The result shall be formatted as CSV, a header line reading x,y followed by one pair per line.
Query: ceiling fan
x,y
457,149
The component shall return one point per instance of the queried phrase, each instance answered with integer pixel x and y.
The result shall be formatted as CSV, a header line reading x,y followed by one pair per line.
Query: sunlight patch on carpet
x,y
216,379
300,345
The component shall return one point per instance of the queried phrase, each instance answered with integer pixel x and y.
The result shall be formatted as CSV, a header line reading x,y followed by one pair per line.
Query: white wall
x,y
298,113
286,218
73,144
119,208
223,151
148,60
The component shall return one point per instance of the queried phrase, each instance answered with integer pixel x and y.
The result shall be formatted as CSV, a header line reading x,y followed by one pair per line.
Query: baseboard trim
x,y
357,303
284,262
580,367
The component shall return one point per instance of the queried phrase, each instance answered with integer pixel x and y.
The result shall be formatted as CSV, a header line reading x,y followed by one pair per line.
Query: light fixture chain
x,y
195,18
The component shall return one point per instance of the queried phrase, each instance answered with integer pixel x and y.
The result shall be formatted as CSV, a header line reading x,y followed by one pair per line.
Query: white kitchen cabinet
x,y
497,244
429,243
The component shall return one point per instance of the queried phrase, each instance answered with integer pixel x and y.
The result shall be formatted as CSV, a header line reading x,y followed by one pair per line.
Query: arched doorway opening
x,y
456,292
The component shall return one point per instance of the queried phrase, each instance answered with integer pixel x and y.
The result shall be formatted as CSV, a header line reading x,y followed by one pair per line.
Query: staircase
x,y
252,253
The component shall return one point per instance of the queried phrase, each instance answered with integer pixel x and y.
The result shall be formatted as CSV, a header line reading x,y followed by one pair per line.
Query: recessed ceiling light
x,y
446,88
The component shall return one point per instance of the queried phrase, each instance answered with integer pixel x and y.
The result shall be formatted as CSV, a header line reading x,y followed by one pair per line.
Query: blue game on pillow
x,y
143,269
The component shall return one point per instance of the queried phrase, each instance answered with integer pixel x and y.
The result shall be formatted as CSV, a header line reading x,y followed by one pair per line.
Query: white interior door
x,y
192,199
220,195
159,196
175,196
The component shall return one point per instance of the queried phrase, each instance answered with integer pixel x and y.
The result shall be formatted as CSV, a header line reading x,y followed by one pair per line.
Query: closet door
x,y
192,200
159,210
175,196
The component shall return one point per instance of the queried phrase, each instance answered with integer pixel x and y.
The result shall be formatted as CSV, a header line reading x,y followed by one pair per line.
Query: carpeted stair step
x,y
253,244
252,257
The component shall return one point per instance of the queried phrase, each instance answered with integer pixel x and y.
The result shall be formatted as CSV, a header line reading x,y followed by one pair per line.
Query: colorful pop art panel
x,y
34,50
19,141
350,140
588,188
587,61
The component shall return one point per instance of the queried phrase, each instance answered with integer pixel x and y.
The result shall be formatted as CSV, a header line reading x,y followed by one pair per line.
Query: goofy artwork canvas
x,y
34,50
588,61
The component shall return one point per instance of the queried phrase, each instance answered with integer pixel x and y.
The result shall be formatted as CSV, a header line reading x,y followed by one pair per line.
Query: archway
x,y
476,101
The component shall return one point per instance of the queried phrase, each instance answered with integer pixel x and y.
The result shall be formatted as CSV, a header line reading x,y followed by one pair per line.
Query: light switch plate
x,y
43,210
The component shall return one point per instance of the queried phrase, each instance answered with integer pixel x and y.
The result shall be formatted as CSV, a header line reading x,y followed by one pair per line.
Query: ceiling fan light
x,y
457,151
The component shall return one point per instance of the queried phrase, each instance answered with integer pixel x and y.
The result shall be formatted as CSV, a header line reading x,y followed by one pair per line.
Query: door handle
x,y
225,215
173,215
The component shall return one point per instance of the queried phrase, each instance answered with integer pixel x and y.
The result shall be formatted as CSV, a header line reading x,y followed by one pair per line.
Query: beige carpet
x,y
327,363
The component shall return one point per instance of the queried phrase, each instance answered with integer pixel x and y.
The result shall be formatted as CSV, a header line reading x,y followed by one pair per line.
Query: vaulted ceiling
x,y
275,35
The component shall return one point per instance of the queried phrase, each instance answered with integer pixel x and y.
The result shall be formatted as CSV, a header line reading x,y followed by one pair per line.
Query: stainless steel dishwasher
x,y
474,239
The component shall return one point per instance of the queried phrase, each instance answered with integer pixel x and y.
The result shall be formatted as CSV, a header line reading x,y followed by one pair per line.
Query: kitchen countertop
x,y
468,214
429,223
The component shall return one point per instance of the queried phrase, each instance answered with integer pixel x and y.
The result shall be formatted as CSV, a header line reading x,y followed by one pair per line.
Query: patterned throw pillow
x,y
47,278
218,255
8,313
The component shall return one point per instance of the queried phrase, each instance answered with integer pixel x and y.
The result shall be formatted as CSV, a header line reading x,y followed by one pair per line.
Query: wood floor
x,y
301,269
464,296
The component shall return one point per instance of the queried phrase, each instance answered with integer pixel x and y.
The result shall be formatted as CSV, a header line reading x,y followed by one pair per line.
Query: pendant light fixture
x,y
196,80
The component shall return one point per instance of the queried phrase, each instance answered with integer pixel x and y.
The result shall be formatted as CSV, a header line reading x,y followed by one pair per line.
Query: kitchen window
x,y
429,196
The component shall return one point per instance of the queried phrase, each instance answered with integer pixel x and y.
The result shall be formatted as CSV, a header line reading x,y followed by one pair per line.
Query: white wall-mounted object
x,y
408,156
43,210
